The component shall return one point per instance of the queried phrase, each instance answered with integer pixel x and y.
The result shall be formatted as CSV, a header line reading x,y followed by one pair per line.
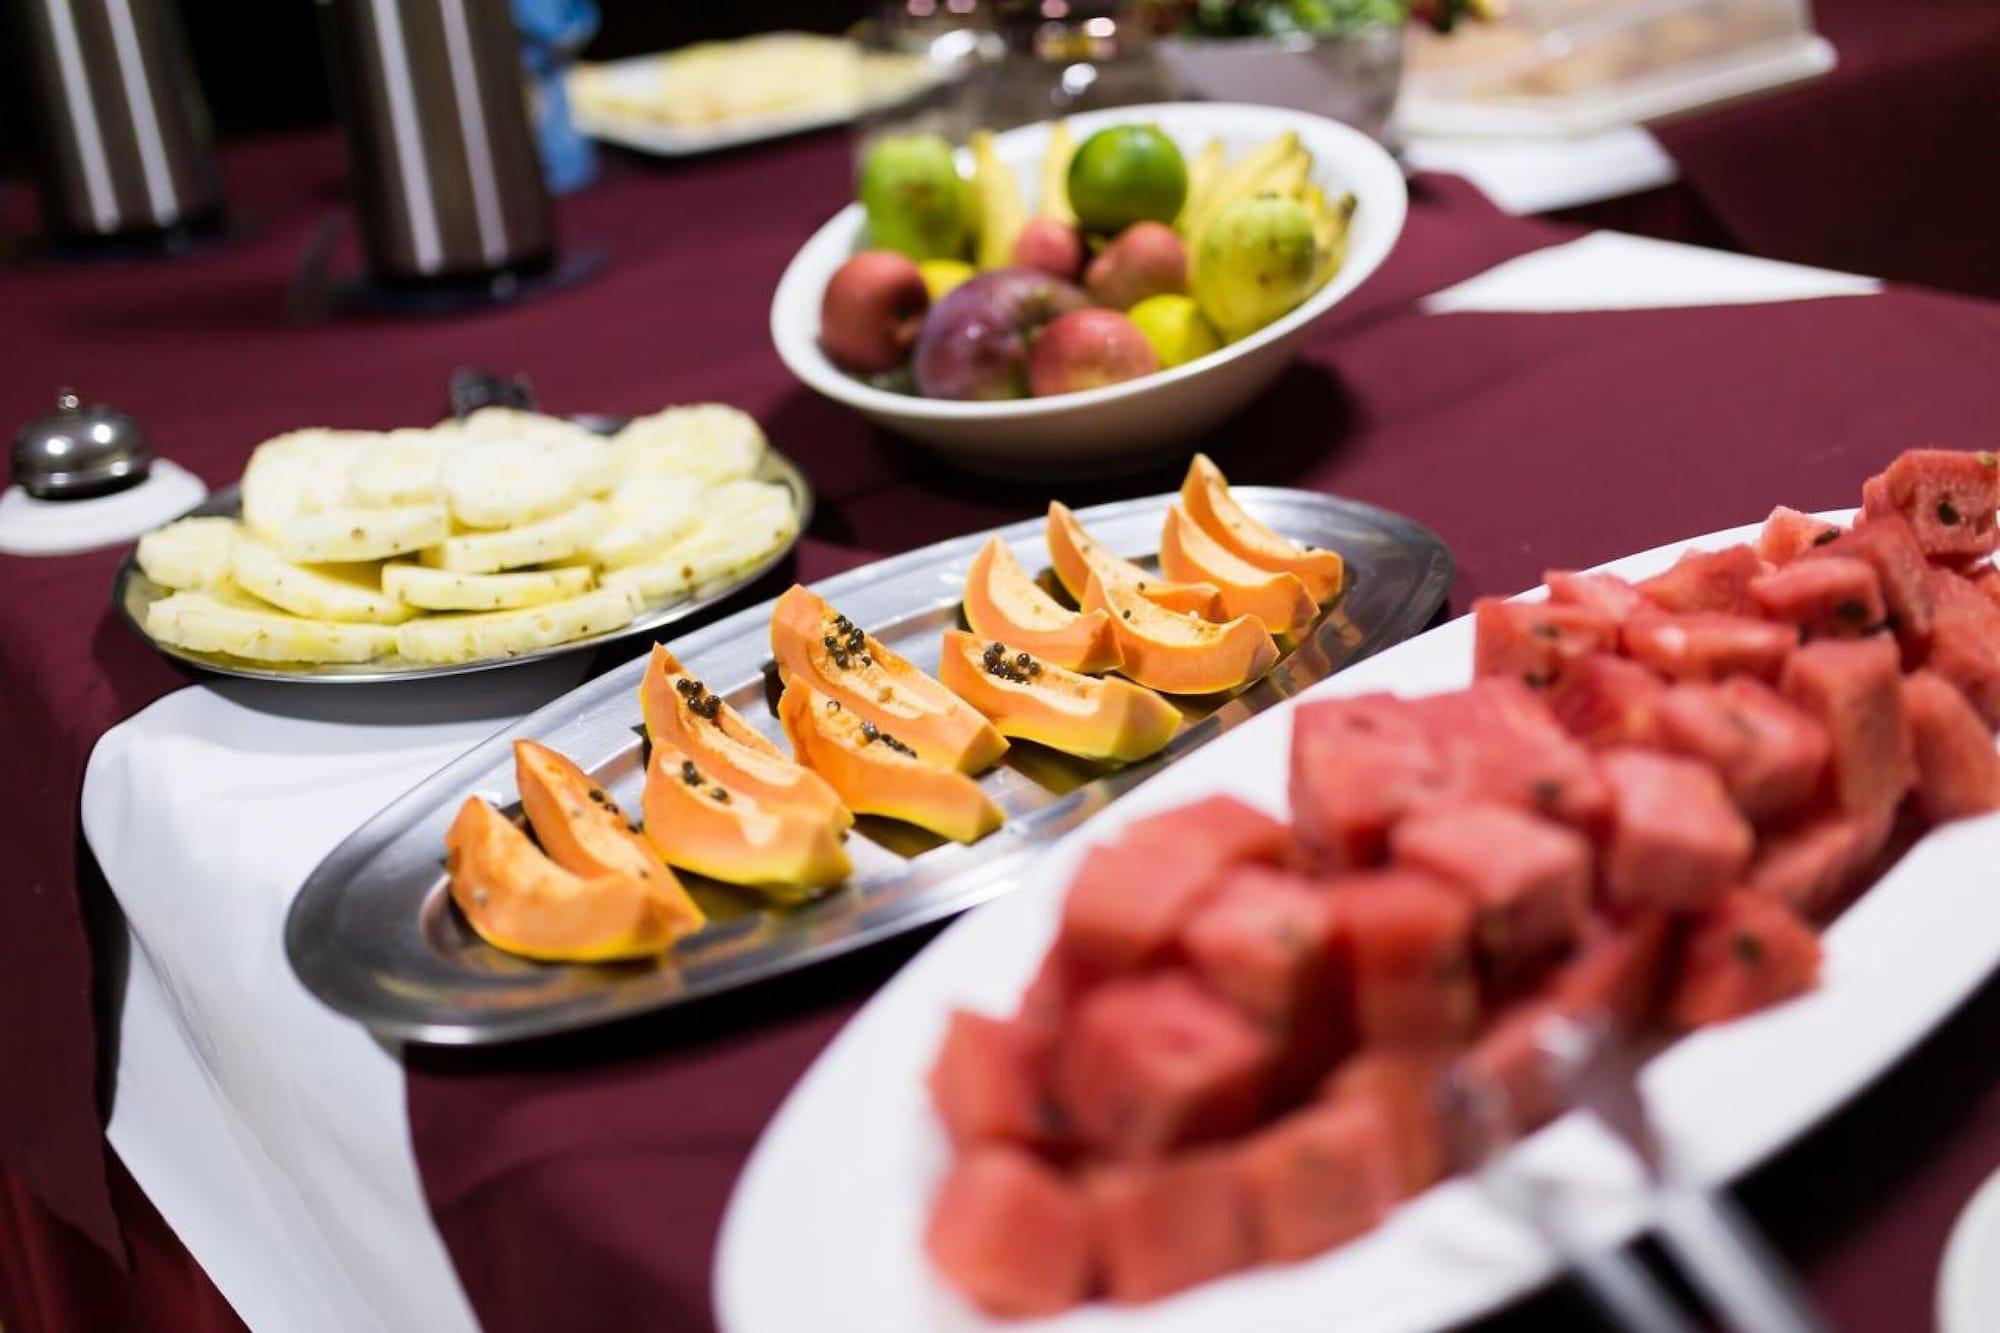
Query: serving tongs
x,y
1717,1249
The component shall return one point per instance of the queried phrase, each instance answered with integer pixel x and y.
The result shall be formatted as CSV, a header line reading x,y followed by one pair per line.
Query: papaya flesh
x,y
875,772
679,709
1002,602
1181,654
1041,702
818,646
1276,598
520,901
1205,494
702,824
1076,556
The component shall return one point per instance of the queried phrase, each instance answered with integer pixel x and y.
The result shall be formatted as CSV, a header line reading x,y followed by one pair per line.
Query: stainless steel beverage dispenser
x,y
124,145
446,179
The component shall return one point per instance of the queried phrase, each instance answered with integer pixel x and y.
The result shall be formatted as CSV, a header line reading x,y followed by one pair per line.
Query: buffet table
x,y
1864,168
1537,397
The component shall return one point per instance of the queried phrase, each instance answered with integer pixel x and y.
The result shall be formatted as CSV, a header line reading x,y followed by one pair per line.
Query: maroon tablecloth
x,y
1526,441
201,352
1884,166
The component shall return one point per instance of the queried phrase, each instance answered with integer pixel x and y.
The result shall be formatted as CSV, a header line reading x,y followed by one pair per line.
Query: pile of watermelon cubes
x,y
1637,815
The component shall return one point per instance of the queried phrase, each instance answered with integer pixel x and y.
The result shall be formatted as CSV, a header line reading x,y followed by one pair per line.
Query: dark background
x,y
260,64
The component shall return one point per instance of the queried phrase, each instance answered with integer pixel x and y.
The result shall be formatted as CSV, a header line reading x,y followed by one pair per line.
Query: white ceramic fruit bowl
x,y
1120,426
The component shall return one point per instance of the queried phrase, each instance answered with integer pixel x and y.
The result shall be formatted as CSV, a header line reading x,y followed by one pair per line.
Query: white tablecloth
x,y
271,1133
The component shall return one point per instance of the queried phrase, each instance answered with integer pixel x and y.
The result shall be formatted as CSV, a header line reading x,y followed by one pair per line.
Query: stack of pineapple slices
x,y
488,537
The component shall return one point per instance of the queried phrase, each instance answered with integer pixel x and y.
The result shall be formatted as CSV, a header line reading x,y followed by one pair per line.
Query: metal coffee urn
x,y
446,179
125,151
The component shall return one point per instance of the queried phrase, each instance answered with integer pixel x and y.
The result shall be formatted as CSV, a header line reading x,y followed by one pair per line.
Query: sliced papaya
x,y
1039,701
701,823
519,900
1277,598
679,709
1181,654
582,829
818,646
1002,602
877,774
1076,555
1205,493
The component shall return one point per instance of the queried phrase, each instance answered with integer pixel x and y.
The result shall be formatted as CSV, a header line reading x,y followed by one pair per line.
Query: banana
x,y
1288,177
193,553
348,593
443,590
1203,172
468,638
1240,178
1330,223
1001,216
1054,201
557,537
710,442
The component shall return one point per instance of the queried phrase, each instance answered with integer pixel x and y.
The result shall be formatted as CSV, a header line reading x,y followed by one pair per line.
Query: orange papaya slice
x,y
1039,701
1181,654
877,774
1276,598
1205,493
1076,555
1002,602
701,823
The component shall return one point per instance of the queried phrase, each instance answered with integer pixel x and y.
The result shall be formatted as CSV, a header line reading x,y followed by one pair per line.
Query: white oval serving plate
x,y
825,1226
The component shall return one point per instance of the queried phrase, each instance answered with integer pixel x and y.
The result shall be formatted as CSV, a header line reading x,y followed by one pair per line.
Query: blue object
x,y
552,32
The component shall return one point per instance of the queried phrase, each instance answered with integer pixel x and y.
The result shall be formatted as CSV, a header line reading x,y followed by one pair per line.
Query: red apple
x,y
1051,246
871,312
1146,259
1086,349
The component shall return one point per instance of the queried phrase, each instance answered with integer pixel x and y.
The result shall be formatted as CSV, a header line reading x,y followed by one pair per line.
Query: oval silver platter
x,y
375,935
132,592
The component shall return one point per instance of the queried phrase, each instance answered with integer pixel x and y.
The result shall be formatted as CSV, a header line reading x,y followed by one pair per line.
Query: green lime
x,y
1126,174
1176,328
915,201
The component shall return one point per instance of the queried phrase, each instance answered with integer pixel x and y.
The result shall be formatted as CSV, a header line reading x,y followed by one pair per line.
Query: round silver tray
x,y
132,593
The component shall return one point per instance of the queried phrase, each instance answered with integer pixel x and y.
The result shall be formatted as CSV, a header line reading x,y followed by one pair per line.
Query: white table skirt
x,y
269,1132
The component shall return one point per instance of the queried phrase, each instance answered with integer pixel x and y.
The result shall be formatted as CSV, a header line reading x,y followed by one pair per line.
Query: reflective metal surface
x,y
77,452
132,592
374,934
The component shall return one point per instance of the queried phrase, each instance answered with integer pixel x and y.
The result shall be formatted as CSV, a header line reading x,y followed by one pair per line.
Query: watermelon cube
x,y
1965,641
1409,948
1535,641
1854,688
1789,534
1219,830
1810,865
1607,700
1500,743
1889,546
1268,943
1154,1062
1717,581
1160,1227
1987,579
1011,1234
1357,765
1958,769
1510,1074
986,1082
1046,1003
1528,879
1319,1177
1606,594
1617,971
1405,1087
1831,597
1947,497
1709,645
1769,754
1127,904
1677,841
1744,954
